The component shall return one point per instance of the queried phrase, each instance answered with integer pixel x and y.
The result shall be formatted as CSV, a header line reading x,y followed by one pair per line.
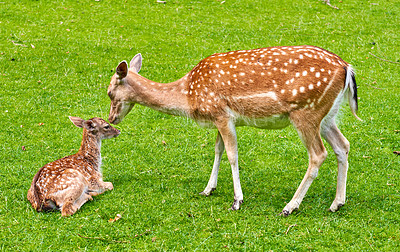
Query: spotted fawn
x,y
67,183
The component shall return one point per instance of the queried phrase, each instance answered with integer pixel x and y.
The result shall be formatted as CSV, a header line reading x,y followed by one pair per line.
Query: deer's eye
x,y
107,127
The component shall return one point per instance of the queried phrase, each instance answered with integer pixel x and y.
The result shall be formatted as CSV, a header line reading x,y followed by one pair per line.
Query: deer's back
x,y
265,82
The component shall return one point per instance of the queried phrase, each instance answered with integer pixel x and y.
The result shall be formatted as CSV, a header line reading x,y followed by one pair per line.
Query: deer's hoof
x,y
236,205
335,207
285,213
207,192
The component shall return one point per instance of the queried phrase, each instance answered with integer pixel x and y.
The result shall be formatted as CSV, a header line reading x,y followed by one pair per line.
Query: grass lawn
x,y
56,60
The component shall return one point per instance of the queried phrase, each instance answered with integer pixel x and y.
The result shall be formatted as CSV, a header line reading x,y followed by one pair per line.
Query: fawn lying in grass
x,y
69,182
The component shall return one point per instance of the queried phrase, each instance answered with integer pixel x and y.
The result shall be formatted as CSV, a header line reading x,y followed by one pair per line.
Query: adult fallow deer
x,y
265,88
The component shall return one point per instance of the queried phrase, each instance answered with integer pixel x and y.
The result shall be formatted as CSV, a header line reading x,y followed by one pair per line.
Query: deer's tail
x,y
351,89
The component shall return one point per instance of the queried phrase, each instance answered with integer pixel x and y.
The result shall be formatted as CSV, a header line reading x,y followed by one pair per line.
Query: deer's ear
x,y
122,70
78,122
136,63
89,125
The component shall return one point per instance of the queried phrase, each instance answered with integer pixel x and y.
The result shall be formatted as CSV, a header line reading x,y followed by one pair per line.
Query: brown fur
x,y
69,182
266,88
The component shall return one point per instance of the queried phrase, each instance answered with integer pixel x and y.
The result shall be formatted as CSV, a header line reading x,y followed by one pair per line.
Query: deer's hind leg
x,y
341,147
309,133
71,192
75,198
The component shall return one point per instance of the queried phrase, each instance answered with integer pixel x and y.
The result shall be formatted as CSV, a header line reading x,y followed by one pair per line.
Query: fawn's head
x,y
96,126
122,94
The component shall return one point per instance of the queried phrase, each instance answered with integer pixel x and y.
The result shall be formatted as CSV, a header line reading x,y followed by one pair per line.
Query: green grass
x,y
56,60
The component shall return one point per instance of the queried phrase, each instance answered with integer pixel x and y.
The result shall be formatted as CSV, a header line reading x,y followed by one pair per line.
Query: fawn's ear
x,y
89,125
136,63
122,70
77,121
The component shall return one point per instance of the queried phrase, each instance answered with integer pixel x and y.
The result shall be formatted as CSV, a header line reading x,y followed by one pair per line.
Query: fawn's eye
x,y
107,127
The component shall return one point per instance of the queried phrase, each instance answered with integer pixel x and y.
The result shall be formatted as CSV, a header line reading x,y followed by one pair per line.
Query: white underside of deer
x,y
265,88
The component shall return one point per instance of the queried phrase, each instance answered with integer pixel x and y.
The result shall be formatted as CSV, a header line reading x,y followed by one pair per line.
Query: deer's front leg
x,y
99,187
227,129
212,183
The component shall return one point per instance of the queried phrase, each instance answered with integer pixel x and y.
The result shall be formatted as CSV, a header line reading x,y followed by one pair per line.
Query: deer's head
x,y
122,90
96,126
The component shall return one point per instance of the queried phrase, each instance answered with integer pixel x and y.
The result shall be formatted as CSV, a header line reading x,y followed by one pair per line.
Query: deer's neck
x,y
170,98
90,149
